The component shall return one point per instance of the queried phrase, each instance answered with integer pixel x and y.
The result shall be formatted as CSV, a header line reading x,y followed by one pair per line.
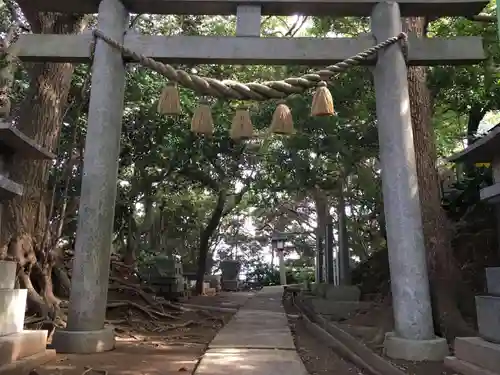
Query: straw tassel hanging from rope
x,y
241,127
169,103
322,103
282,122
202,121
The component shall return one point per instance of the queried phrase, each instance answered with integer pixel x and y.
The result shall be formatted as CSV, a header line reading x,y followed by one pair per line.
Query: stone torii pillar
x,y
413,337
85,332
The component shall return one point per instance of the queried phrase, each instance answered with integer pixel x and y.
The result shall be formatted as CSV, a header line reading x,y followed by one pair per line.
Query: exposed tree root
x,y
152,314
125,285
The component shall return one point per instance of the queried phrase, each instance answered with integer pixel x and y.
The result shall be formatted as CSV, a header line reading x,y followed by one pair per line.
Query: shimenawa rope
x,y
248,91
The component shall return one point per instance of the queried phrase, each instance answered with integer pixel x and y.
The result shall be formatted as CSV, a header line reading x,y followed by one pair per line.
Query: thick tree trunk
x,y
40,117
205,236
444,274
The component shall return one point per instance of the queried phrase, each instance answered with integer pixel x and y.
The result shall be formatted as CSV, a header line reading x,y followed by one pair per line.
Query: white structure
x,y
17,346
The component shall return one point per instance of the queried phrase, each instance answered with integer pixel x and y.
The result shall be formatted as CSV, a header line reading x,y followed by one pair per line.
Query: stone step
x,y
27,364
12,306
8,272
479,352
493,280
488,317
466,368
21,345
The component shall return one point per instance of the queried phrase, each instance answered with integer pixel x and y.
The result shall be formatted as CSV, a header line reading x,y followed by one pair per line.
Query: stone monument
x,y
481,355
230,272
164,274
20,349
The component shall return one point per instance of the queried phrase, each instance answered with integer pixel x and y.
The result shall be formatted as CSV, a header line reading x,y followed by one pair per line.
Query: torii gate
x,y
414,337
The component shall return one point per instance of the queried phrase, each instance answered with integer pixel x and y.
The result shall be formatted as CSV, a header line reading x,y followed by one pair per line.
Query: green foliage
x,y
171,182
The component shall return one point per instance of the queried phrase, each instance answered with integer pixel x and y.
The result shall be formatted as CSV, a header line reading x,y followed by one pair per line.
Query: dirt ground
x,y
147,346
381,316
317,357
223,299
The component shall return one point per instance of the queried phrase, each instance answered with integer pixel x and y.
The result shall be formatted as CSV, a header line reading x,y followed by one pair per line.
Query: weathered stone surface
x,y
465,368
230,269
415,350
266,303
255,329
9,189
364,332
214,281
257,341
159,268
84,342
490,194
483,150
317,289
342,293
253,336
488,317
230,285
25,365
250,362
20,345
493,280
23,146
405,240
191,49
12,306
479,352
8,272
338,8
90,275
338,310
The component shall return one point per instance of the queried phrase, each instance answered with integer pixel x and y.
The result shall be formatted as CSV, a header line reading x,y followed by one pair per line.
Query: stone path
x,y
257,341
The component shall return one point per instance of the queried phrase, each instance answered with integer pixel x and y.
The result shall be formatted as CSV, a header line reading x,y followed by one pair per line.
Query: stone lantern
x,y
278,244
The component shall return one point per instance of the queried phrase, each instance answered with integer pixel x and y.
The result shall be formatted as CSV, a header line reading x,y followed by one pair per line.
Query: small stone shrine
x,y
230,271
481,355
20,349
164,274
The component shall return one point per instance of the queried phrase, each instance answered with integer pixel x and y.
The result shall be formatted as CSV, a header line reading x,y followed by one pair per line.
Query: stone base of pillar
x,y
415,350
84,342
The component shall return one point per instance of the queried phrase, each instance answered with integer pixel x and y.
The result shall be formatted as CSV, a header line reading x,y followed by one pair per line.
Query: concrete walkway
x,y
257,341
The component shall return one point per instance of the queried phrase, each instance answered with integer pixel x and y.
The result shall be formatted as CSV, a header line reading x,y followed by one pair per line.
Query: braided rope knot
x,y
259,91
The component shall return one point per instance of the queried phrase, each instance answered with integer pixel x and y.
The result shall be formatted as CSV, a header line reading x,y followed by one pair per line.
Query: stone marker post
x,y
85,332
414,337
281,254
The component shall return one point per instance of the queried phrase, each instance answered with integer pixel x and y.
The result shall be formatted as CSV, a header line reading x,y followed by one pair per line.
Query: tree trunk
x,y
130,256
322,211
444,274
40,117
205,236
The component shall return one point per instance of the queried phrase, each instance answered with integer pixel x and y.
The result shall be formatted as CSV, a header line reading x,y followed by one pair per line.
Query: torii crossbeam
x,y
414,337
